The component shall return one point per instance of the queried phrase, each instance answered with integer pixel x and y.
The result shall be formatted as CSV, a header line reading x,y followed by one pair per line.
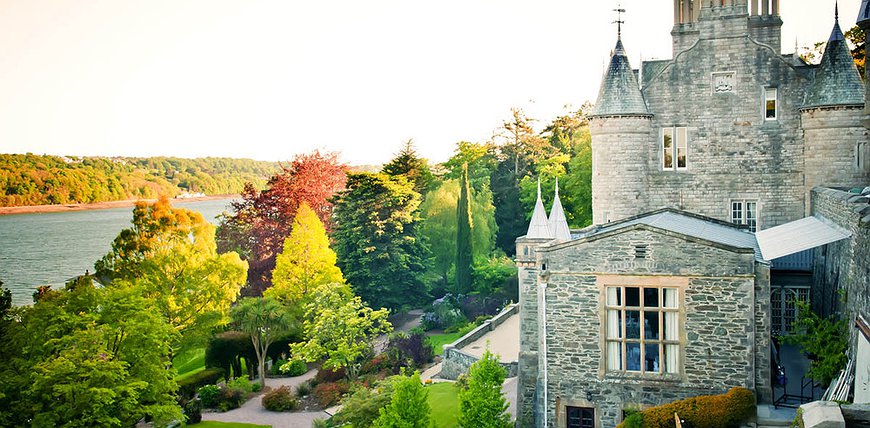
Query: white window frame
x,y
740,213
768,98
617,341
679,142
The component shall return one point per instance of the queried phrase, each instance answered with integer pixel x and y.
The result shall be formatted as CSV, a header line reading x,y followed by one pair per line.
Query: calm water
x,y
50,248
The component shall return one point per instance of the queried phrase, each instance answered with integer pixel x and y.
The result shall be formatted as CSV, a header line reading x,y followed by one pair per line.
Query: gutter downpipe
x,y
543,327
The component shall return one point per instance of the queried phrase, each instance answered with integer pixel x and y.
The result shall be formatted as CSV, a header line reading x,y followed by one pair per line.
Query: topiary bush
x,y
187,387
208,394
280,400
294,368
707,411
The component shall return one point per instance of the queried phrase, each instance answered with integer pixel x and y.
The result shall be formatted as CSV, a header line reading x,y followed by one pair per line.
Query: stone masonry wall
x,y
843,266
718,313
527,265
619,167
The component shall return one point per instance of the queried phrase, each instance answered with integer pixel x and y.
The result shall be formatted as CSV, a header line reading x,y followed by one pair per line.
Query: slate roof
x,y
620,92
686,224
837,81
651,69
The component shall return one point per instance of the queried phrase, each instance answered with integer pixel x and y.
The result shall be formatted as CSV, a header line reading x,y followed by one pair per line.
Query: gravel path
x,y
253,412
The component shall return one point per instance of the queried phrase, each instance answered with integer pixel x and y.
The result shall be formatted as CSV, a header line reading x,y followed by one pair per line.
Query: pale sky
x,y
269,79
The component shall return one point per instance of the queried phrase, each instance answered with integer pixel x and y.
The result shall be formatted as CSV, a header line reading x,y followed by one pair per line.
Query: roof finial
x,y
557,186
836,11
619,11
539,187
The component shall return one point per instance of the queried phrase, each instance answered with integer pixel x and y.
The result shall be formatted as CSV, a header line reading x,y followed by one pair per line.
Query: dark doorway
x,y
581,417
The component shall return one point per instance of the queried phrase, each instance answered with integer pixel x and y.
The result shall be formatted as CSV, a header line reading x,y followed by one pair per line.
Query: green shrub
x,y
230,398
187,387
329,393
280,400
242,384
362,406
294,368
326,375
303,389
633,420
706,411
208,394
276,368
825,340
193,411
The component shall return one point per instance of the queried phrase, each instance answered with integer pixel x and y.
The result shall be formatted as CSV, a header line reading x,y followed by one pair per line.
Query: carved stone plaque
x,y
723,82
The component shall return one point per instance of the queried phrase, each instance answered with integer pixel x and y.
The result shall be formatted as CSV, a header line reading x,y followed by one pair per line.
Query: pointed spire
x,y
558,222
620,93
837,81
539,226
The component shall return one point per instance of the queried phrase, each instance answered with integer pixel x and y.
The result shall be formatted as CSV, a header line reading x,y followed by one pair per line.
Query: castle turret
x,y
621,130
558,222
835,145
864,24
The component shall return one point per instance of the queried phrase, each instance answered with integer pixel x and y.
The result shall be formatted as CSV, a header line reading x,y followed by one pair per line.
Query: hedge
x,y
187,387
707,411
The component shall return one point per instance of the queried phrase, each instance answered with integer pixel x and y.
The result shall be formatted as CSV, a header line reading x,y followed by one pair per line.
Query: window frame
x,y
662,342
767,98
753,221
679,141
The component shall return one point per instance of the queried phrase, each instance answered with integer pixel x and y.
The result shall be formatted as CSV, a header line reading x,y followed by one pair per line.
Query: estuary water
x,y
50,248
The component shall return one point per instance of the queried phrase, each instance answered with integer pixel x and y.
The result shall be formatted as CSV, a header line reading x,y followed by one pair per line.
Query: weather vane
x,y
619,11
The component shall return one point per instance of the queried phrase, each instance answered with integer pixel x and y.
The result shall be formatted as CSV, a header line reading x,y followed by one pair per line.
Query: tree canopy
x,y
265,320
409,405
481,403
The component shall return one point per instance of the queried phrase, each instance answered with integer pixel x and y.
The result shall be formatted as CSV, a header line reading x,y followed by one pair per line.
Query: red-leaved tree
x,y
261,220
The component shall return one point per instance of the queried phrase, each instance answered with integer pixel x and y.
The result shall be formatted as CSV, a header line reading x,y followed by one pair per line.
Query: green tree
x,y
464,252
481,403
171,256
340,329
377,240
413,167
409,406
306,263
263,319
481,161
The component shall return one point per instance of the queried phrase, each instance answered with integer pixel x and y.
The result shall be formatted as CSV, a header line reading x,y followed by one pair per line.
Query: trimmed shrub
x,y
280,400
226,351
187,387
329,393
209,395
707,411
192,411
294,368
230,398
242,384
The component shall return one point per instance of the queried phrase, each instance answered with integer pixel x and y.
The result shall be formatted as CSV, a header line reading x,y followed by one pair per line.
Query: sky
x,y
268,79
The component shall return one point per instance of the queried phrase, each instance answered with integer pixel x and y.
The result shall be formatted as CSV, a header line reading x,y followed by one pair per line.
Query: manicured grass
x,y
214,424
444,402
189,362
437,341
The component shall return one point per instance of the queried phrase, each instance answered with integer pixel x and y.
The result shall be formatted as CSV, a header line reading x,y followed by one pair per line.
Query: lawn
x,y
444,402
189,362
214,424
437,341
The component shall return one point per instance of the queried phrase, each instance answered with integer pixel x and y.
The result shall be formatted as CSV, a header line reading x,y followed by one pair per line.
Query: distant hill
x,y
45,180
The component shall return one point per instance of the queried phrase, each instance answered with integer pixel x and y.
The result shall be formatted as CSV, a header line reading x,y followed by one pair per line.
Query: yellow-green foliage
x,y
706,411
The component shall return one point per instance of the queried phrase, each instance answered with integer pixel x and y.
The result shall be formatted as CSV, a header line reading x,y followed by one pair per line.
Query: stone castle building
x,y
670,293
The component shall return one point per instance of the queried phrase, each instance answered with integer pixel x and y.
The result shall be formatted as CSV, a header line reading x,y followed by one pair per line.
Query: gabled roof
x,y
620,92
683,223
558,222
539,225
837,81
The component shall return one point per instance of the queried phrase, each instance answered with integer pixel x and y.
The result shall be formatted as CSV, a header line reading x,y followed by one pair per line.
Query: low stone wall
x,y
457,362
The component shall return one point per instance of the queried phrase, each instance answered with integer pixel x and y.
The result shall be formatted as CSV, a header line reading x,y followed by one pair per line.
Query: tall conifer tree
x,y
464,255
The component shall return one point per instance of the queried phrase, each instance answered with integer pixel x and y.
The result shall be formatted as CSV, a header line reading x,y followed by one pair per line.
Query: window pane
x,y
614,324
737,212
632,296
770,103
632,356
672,358
651,297
651,358
671,329
632,324
682,147
751,215
668,148
614,356
670,297
651,325
614,296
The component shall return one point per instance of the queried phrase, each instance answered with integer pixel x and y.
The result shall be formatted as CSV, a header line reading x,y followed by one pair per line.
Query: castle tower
x,y
621,130
726,16
765,25
864,23
835,139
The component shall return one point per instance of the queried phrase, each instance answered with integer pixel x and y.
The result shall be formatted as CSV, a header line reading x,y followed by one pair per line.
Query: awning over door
x,y
800,235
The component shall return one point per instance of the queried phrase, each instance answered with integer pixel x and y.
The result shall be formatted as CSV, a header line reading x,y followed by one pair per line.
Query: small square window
x,y
770,108
745,212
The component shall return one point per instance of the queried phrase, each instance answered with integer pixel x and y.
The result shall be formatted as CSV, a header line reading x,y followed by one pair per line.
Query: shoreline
x,y
126,203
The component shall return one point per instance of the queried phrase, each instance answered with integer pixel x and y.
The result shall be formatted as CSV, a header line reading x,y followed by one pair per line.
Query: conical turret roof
x,y
837,80
620,92
558,221
539,226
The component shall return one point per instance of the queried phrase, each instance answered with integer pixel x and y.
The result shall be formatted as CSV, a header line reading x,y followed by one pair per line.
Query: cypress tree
x,y
463,235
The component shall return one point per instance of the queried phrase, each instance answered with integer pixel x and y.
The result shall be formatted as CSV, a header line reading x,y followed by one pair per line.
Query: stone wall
x,y
457,362
619,167
718,306
841,270
527,264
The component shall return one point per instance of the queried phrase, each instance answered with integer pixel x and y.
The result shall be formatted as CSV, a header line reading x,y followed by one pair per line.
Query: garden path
x,y
253,412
